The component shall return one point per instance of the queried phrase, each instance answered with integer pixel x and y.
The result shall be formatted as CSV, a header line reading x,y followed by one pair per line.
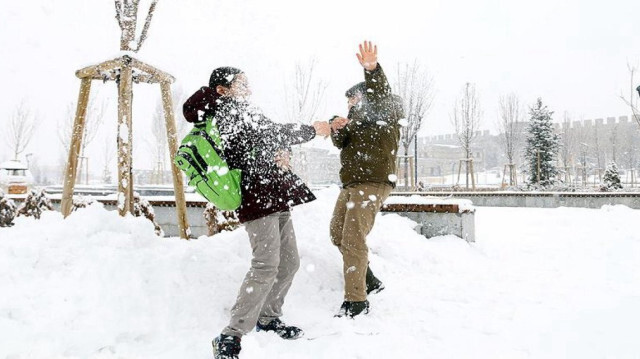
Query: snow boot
x,y
283,330
226,347
374,285
352,309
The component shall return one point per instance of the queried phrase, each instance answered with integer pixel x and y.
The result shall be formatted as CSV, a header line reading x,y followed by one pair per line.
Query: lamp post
x,y
27,157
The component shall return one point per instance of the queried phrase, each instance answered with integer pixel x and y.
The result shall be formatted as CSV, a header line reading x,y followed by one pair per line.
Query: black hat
x,y
356,89
223,76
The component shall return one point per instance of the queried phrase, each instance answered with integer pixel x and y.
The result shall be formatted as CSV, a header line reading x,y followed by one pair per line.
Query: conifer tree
x,y
542,148
611,180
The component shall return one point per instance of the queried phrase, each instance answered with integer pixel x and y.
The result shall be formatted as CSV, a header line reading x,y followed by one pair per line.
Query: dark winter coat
x,y
369,143
251,142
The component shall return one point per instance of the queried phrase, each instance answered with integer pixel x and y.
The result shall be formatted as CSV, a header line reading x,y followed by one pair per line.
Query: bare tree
x,y
415,87
22,126
94,119
108,154
511,131
158,143
127,16
466,121
567,145
581,136
597,149
304,94
614,141
632,100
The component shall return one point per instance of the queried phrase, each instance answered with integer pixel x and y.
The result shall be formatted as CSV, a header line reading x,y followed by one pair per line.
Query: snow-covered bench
x,y
435,216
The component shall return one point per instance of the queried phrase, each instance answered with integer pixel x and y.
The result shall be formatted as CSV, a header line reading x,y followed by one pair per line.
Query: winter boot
x,y
374,285
226,347
283,330
352,309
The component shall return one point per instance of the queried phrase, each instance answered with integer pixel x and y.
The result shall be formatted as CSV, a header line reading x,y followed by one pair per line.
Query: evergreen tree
x,y
543,145
611,180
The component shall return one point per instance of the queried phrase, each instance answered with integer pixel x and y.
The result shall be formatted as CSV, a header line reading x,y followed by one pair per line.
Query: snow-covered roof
x,y
13,165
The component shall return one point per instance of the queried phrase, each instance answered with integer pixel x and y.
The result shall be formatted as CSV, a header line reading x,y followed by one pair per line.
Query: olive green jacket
x,y
369,143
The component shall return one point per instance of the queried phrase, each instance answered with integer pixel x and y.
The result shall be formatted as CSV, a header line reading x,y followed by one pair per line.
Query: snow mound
x,y
100,286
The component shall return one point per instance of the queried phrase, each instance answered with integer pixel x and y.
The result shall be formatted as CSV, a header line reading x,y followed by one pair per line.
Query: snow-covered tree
x,y
611,180
7,211
127,16
542,146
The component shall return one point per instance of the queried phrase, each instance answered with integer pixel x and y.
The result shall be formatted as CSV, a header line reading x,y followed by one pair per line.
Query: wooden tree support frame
x,y
125,71
509,169
400,159
469,171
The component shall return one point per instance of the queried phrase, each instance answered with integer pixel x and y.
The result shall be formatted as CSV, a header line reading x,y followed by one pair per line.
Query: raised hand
x,y
368,55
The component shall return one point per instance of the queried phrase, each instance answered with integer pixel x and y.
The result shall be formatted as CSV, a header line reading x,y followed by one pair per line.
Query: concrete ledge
x,y
438,218
538,199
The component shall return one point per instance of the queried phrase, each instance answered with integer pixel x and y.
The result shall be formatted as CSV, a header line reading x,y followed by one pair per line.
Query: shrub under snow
x,y
7,211
35,203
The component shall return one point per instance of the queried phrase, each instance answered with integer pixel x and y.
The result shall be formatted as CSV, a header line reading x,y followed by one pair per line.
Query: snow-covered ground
x,y
539,283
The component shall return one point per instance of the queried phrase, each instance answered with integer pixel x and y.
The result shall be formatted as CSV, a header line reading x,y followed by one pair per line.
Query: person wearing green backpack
x,y
257,147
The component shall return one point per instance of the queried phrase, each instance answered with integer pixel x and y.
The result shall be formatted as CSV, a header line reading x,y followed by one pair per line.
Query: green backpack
x,y
201,158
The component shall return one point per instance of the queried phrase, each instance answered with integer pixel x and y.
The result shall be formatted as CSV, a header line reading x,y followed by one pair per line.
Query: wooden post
x,y
172,137
504,176
414,183
466,168
125,136
473,178
459,170
74,149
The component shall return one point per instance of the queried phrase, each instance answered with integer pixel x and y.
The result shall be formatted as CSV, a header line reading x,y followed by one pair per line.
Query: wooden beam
x,y
125,136
74,150
426,207
97,70
161,75
137,77
172,138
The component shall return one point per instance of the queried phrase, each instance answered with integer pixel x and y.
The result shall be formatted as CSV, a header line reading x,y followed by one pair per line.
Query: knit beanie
x,y
356,89
223,76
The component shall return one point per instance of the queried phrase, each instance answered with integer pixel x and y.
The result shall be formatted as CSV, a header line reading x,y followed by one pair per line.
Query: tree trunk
x,y
406,166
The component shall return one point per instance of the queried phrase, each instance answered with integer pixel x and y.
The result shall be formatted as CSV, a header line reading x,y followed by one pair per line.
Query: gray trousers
x,y
275,262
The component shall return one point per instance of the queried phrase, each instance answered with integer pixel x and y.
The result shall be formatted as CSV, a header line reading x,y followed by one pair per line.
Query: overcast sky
x,y
573,54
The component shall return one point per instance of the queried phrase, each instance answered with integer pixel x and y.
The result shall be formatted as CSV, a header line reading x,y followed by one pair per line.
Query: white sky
x,y
571,53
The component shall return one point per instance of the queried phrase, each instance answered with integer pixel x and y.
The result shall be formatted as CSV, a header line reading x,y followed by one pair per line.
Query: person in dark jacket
x,y
368,142
259,148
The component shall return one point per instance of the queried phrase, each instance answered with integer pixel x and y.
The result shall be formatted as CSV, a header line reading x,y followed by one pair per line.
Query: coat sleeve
x,y
293,134
340,138
384,105
377,87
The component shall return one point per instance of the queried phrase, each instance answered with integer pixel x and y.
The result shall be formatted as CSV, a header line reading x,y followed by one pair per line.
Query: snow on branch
x,y
127,16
